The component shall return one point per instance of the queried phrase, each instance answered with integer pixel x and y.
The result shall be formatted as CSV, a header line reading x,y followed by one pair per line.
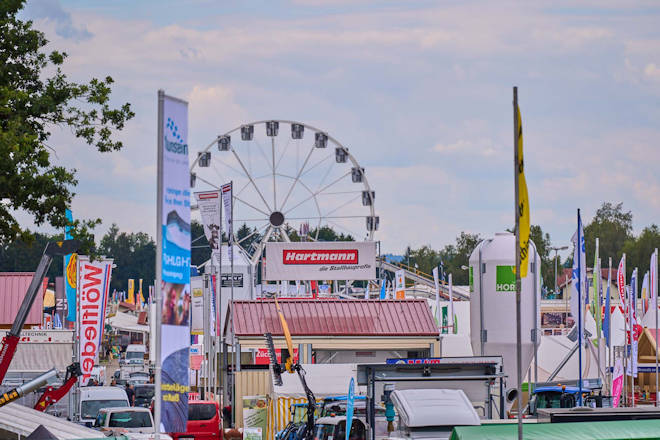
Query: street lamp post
x,y
557,249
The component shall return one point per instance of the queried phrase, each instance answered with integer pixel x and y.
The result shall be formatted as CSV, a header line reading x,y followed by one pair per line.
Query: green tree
x,y
134,255
543,244
638,251
613,227
24,255
326,233
200,252
35,96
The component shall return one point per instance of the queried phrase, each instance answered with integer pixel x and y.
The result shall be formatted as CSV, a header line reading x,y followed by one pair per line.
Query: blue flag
x,y
350,402
606,320
383,293
70,268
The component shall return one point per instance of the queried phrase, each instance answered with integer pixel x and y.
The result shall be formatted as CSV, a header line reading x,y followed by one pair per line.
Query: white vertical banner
x,y
173,261
92,287
208,203
227,199
400,290
452,317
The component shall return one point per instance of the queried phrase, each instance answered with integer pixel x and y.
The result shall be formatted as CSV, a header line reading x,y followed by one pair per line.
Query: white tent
x,y
127,322
18,421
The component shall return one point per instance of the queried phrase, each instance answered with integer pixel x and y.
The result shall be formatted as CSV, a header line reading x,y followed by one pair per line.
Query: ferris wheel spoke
x,y
243,188
325,176
297,179
314,194
256,231
355,236
249,176
226,165
208,183
286,147
261,150
284,234
251,206
272,146
317,164
262,243
326,217
343,205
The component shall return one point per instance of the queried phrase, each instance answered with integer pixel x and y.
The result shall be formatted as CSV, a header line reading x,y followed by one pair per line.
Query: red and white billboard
x,y
330,260
93,284
261,356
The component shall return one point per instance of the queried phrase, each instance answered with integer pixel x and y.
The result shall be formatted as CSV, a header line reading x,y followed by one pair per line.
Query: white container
x,y
493,304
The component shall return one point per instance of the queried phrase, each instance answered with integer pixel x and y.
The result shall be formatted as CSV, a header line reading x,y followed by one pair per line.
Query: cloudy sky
x,y
420,90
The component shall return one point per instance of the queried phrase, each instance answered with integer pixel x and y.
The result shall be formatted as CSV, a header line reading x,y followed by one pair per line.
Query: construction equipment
x,y
291,367
10,342
53,395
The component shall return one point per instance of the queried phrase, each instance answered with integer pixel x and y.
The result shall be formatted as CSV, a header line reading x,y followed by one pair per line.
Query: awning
x,y
127,322
624,429
22,421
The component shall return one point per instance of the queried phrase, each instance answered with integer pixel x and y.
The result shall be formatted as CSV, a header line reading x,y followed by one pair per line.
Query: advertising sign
x,y
336,260
505,279
227,203
226,280
350,405
70,274
617,383
255,416
209,208
93,284
174,199
400,289
261,356
197,306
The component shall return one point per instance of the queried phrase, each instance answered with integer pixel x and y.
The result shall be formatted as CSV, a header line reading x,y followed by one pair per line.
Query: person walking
x,y
130,392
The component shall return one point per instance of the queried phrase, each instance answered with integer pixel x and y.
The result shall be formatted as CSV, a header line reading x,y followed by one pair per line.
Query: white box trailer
x,y
38,351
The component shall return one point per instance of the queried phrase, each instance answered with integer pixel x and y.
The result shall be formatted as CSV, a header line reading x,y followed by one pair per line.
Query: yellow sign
x,y
71,271
523,202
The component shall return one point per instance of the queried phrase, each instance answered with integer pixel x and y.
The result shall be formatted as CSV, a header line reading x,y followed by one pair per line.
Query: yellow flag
x,y
131,291
523,202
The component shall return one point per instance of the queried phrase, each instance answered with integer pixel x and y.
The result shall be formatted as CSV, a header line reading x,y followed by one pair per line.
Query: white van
x,y
432,414
135,354
92,399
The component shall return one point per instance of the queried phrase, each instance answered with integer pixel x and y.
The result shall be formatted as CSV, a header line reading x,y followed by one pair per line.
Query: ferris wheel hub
x,y
276,219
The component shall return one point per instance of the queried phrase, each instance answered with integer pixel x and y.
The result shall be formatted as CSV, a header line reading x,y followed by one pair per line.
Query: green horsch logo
x,y
505,279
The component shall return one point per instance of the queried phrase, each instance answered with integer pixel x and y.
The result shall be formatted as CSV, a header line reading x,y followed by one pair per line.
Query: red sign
x,y
261,356
94,281
320,256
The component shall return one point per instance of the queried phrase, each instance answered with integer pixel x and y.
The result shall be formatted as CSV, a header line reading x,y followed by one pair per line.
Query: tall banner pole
x,y
173,266
654,289
159,267
610,362
580,307
517,228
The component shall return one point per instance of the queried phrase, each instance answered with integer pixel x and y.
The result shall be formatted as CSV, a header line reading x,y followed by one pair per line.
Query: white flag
x,y
578,285
437,295
653,280
227,199
451,305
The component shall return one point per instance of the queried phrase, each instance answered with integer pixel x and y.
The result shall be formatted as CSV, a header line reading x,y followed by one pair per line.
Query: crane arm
x,y
10,342
53,395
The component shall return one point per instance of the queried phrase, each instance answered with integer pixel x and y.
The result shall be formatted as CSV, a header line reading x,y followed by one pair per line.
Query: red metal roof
x,y
332,317
13,286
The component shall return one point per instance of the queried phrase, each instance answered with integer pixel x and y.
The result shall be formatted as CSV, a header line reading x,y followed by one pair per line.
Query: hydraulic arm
x,y
290,366
10,341
53,395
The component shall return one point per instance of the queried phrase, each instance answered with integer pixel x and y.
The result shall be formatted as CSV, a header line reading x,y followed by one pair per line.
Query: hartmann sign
x,y
345,260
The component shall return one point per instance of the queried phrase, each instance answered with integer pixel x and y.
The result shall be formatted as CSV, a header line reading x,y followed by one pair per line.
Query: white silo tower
x,y
493,303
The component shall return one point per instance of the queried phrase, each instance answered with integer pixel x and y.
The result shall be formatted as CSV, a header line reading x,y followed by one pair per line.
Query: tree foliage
x,y
33,102
134,255
613,227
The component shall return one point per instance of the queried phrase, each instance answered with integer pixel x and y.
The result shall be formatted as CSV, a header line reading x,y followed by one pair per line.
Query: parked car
x,y
431,414
134,423
204,421
143,394
93,399
330,428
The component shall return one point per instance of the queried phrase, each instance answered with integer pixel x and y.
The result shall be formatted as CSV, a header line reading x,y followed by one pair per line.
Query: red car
x,y
204,422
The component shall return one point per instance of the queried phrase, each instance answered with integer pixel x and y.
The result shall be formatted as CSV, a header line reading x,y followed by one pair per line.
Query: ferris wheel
x,y
291,182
